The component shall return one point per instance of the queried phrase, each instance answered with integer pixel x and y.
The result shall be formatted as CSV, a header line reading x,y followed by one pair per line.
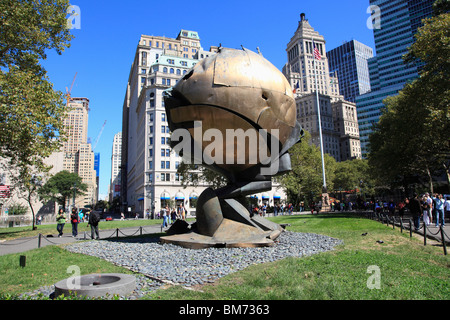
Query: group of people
x,y
429,207
171,215
77,216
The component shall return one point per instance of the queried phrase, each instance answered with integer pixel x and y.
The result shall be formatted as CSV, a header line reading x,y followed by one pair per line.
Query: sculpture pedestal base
x,y
222,223
230,234
325,203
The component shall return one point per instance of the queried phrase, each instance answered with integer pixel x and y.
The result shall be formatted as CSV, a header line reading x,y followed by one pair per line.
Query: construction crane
x,y
68,92
98,137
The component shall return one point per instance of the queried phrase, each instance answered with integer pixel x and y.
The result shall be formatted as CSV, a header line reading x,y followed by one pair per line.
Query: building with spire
x,y
308,73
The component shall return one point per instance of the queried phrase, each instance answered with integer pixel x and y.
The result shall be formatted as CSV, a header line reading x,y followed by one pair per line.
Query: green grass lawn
x,y
407,268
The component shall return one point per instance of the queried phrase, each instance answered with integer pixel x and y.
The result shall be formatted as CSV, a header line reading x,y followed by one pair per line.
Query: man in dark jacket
x,y
94,219
415,209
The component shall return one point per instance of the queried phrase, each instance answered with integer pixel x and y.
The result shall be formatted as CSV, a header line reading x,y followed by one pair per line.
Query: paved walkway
x,y
25,244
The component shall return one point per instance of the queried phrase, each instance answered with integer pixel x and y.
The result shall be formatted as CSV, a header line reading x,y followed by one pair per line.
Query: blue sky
x,y
103,48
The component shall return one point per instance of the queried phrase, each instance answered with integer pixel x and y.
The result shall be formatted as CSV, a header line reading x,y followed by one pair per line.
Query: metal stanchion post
x,y
410,228
424,234
443,240
39,240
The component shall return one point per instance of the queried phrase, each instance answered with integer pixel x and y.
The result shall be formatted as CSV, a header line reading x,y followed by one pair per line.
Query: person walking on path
x,y
94,219
415,208
60,222
74,219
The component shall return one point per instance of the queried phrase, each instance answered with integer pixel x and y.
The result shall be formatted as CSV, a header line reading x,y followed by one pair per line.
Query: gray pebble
x,y
188,267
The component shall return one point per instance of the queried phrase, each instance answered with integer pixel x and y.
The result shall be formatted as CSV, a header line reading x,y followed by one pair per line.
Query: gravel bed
x,y
168,263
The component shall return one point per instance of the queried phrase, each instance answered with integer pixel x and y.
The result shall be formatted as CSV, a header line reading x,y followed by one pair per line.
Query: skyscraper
x,y
78,155
349,63
307,73
398,24
116,156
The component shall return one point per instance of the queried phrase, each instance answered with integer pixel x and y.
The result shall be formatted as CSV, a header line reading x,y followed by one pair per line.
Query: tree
x,y
30,110
305,181
61,187
353,174
192,174
411,138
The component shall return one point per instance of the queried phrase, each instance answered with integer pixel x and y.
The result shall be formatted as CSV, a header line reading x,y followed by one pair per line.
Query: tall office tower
x,y
78,154
116,156
149,179
349,63
303,70
394,33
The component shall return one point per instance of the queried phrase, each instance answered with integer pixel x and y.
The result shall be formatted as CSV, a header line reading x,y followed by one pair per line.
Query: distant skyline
x,y
103,49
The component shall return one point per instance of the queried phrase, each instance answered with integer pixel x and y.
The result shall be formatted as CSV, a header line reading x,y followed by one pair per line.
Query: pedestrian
x,y
94,219
74,219
122,216
425,210
401,209
446,208
173,215
169,219
391,207
430,206
415,209
60,221
439,202
164,216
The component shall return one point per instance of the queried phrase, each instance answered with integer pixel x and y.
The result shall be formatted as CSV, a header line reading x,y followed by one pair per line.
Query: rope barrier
x,y
13,244
382,217
39,237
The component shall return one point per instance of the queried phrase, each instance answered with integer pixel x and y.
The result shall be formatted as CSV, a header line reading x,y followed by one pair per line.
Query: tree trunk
x,y
430,180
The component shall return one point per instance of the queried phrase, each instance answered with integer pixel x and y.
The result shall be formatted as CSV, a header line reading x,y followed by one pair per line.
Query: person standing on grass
x,y
94,219
60,222
74,219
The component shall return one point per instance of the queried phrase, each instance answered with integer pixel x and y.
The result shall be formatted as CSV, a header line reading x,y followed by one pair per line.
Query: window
x,y
163,152
163,140
167,152
151,129
163,164
163,116
167,164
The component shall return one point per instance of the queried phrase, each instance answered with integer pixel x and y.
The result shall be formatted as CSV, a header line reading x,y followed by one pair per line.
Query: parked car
x,y
109,218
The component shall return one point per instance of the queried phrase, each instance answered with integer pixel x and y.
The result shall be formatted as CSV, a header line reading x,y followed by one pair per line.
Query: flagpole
x,y
324,189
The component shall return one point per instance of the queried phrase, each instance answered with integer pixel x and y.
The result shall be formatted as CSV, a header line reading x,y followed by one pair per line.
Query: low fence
x,y
41,239
409,226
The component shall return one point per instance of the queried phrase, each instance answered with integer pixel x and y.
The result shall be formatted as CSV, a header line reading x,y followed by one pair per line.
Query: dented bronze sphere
x,y
235,89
